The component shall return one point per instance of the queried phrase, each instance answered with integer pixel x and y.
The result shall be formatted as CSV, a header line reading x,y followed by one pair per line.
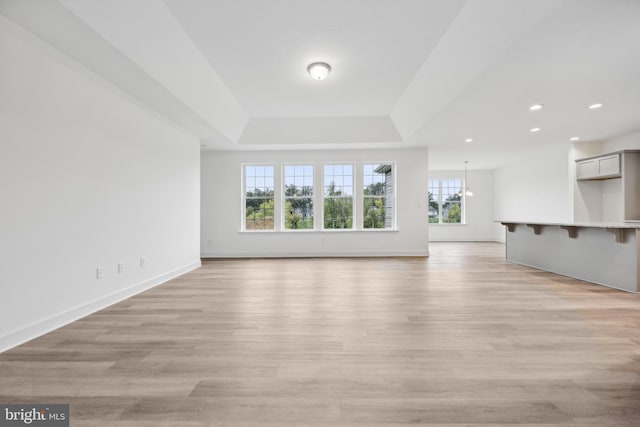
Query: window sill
x,y
446,224
307,231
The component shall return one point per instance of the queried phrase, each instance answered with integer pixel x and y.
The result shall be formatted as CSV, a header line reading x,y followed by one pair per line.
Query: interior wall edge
x,y
22,335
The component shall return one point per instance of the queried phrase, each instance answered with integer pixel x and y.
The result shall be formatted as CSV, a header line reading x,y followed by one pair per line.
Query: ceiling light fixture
x,y
574,138
595,106
319,70
534,130
536,107
467,190
468,140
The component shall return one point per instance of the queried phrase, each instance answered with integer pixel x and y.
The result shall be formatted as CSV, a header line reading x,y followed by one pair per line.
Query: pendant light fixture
x,y
467,191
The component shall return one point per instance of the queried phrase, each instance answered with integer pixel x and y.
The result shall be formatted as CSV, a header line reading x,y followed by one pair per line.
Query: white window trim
x,y
463,202
283,216
394,178
354,187
318,197
243,201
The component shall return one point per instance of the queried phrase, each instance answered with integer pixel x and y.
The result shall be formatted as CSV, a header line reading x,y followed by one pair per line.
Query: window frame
x,y
284,197
243,199
279,200
353,196
441,201
392,195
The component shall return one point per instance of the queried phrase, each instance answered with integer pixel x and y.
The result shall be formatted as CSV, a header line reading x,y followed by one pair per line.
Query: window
x,y
259,204
377,210
298,197
338,196
445,201
294,187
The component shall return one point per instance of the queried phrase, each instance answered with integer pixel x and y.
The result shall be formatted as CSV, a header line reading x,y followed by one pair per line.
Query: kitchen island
x,y
603,253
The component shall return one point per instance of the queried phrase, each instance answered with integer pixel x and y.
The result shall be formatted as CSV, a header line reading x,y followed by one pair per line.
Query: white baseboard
x,y
315,254
462,239
22,335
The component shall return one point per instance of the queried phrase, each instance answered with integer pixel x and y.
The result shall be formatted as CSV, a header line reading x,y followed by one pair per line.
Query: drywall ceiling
x,y
405,73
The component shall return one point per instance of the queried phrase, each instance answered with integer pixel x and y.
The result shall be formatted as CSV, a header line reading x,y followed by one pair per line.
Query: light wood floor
x,y
460,338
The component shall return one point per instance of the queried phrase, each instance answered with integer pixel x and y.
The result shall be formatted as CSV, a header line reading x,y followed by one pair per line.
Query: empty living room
x,y
287,213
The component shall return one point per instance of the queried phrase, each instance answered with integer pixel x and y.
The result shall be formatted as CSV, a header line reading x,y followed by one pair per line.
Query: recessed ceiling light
x,y
319,70
595,106
468,140
535,107
534,130
574,138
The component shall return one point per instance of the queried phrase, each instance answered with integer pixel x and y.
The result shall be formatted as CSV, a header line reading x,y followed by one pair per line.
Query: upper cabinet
x,y
601,167
613,200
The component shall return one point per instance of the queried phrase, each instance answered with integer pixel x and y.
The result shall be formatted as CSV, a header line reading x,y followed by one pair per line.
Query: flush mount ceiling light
x,y
534,130
595,106
536,107
319,70
468,140
574,138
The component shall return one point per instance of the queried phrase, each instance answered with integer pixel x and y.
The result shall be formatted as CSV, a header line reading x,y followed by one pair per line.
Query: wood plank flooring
x,y
457,339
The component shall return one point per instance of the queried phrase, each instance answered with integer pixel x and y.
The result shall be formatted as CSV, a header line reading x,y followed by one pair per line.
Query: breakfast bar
x,y
607,254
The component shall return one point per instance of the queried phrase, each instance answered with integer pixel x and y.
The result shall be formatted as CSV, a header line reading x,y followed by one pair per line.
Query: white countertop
x,y
576,224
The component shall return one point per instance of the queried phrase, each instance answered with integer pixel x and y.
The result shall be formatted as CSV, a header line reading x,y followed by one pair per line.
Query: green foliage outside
x,y
298,208
377,189
296,216
434,209
452,213
374,212
263,210
451,210
455,214
259,210
338,213
338,210
374,207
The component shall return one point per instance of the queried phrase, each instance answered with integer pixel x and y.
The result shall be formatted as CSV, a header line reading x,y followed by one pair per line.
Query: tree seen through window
x,y
377,210
338,196
445,201
259,203
298,197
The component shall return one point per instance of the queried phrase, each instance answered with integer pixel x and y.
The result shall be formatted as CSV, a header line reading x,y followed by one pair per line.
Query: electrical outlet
x,y
143,262
121,268
99,273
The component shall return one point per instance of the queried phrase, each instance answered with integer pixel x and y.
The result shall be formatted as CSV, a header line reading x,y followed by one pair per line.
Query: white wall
x,y
535,189
586,195
88,179
624,142
612,189
478,209
221,202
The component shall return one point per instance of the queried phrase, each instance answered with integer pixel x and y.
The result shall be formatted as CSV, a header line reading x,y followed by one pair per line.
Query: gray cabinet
x,y
602,167
623,193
